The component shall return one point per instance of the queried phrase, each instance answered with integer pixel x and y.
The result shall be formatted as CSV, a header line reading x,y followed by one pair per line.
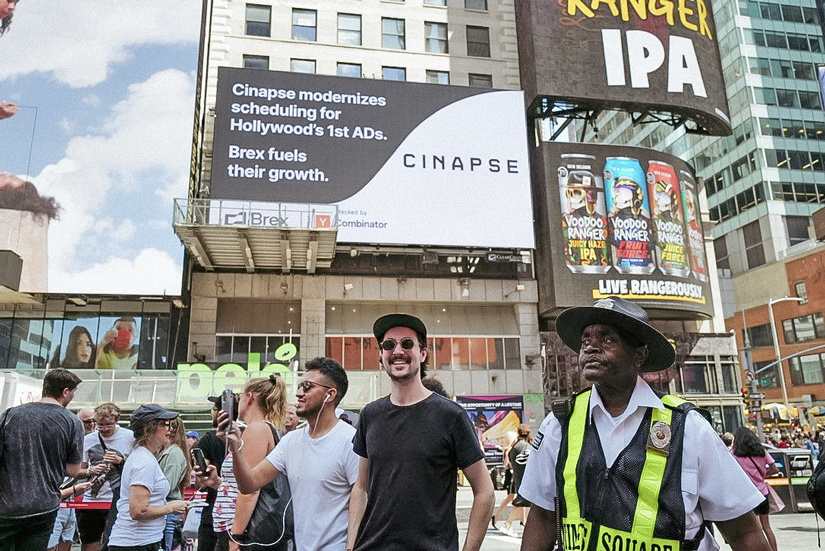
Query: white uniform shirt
x,y
714,486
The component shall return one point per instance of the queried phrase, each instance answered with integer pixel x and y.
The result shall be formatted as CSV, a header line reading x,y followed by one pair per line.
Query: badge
x,y
659,438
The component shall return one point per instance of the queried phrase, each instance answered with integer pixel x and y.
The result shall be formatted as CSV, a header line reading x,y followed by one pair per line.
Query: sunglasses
x,y
306,386
167,424
88,421
406,344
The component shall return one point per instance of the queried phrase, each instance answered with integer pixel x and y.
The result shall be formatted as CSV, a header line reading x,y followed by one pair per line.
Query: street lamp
x,y
771,302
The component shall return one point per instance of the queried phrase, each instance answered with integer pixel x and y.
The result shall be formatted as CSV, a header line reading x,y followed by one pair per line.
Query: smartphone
x,y
228,403
197,455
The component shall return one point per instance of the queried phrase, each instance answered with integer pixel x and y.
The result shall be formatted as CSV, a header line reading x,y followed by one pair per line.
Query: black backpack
x,y
816,489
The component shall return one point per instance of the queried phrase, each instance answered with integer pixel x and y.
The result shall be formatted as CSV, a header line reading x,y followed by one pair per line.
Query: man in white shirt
x,y
638,470
317,459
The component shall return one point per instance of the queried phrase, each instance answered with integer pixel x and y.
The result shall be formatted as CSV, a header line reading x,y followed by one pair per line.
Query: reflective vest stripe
x,y
575,443
653,475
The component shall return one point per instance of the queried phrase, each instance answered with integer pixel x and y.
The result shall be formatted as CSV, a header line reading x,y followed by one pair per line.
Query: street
x,y
794,531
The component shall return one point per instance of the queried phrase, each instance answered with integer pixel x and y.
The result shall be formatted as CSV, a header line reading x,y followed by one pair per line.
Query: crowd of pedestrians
x,y
618,462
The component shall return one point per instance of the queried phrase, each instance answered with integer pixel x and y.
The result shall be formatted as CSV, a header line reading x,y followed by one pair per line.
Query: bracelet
x,y
74,490
239,447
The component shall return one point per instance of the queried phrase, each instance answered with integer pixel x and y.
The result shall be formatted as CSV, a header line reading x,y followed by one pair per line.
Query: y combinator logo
x,y
323,221
253,218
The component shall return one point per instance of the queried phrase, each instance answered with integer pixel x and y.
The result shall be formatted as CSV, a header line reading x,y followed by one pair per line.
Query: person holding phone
x,y
176,466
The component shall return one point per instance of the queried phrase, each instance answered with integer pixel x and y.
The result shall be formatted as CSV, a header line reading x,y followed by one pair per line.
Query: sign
x,y
757,396
405,163
623,221
493,417
624,54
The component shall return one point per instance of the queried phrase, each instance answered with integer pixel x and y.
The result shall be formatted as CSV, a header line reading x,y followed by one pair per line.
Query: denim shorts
x,y
64,528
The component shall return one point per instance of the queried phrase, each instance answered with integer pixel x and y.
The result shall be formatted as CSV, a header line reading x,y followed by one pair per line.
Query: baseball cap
x,y
193,434
385,323
149,412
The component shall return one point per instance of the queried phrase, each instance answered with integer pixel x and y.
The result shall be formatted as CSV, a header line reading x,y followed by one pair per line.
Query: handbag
x,y
193,516
271,524
775,503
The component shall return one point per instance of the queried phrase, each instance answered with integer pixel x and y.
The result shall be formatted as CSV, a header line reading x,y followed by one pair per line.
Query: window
x,y
349,29
351,70
760,335
435,37
775,40
787,98
807,370
754,249
256,62
803,70
480,81
797,228
258,20
302,66
804,328
304,25
478,41
792,13
394,73
759,66
781,68
720,247
475,4
798,42
766,96
392,33
801,291
435,2
809,100
438,77
771,127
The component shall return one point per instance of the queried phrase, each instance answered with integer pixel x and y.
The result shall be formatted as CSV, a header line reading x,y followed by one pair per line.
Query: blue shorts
x,y
64,528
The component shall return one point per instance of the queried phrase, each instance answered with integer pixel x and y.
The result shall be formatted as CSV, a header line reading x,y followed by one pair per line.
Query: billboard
x,y
493,417
629,55
405,163
624,221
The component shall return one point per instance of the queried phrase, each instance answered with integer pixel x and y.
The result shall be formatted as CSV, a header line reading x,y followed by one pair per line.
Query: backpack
x,y
816,489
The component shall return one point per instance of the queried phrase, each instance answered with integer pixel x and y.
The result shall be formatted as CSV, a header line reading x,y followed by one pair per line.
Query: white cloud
x,y
123,276
108,184
86,38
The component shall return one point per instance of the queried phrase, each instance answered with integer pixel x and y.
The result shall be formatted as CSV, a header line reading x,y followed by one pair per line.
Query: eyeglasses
x,y
88,421
389,344
104,425
306,386
167,424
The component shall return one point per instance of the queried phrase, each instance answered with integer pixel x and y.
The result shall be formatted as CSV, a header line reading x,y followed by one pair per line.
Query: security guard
x,y
637,471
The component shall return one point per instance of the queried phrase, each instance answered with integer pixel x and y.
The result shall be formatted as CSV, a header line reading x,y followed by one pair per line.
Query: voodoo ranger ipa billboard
x,y
623,221
405,163
629,54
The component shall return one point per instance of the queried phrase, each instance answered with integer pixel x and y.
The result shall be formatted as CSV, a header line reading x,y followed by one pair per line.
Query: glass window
x,y
770,11
775,40
351,70
760,335
819,322
693,378
787,328
442,350
495,354
240,349
302,66
335,349
815,43
753,244
798,160
766,96
438,77
797,229
809,100
392,34
352,353
478,353
435,37
720,248
480,81
770,127
801,291
792,13
304,25
809,16
256,62
435,2
787,98
460,352
759,66
769,378
349,29
798,42
258,20
478,41
804,70
223,350
475,4
781,68
394,73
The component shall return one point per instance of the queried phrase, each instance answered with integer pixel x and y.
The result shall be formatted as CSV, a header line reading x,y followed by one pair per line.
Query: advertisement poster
x,y
104,342
456,156
627,55
628,224
493,417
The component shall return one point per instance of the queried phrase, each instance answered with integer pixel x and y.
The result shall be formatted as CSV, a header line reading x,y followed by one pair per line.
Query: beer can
x,y
628,216
693,226
583,215
668,225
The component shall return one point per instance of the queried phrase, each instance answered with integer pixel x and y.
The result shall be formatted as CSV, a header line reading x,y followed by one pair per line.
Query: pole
x,y
747,362
771,302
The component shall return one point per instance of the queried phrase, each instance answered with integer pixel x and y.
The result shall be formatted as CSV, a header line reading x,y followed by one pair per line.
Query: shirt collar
x,y
642,397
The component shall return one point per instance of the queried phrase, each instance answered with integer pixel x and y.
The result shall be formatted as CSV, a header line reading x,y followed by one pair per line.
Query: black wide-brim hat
x,y
385,323
624,316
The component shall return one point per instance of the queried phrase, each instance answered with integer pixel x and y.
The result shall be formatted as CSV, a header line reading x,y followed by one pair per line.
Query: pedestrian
x,y
175,463
317,460
758,464
412,444
40,443
292,419
214,450
142,507
511,436
87,417
192,438
518,455
619,433
104,452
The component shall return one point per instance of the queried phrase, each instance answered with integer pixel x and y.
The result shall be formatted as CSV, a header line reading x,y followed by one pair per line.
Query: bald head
x,y
87,417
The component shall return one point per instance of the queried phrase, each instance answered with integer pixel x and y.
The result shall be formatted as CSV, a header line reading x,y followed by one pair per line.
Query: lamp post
x,y
747,361
771,302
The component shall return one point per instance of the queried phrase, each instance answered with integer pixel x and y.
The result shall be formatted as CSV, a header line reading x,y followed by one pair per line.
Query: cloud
x,y
114,186
85,39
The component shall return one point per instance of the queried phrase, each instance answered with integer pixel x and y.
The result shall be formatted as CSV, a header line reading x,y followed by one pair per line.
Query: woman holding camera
x,y
142,507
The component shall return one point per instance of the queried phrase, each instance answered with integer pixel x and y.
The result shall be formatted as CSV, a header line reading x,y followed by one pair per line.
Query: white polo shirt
x,y
714,486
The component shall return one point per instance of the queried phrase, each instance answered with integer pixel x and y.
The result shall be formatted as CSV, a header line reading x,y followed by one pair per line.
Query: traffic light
x,y
746,395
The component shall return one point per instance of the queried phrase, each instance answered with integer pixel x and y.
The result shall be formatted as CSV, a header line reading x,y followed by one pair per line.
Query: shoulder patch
x,y
537,440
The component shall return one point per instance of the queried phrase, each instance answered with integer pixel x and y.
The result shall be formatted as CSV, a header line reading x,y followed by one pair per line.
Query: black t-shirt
x,y
214,450
518,460
37,441
414,454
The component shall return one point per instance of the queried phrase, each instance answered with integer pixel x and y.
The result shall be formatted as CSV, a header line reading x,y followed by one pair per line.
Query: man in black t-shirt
x,y
412,444
214,450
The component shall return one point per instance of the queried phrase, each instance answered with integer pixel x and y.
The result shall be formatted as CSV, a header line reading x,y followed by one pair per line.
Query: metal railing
x,y
225,212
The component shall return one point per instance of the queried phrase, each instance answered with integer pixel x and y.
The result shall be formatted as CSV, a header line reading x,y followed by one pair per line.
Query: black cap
x,y
149,412
215,400
385,323
624,315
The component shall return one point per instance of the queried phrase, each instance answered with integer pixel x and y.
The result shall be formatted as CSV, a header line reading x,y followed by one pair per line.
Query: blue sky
x,y
106,96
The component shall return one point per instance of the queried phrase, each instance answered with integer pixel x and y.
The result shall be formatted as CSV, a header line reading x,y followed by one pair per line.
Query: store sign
x,y
625,221
455,157
626,54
